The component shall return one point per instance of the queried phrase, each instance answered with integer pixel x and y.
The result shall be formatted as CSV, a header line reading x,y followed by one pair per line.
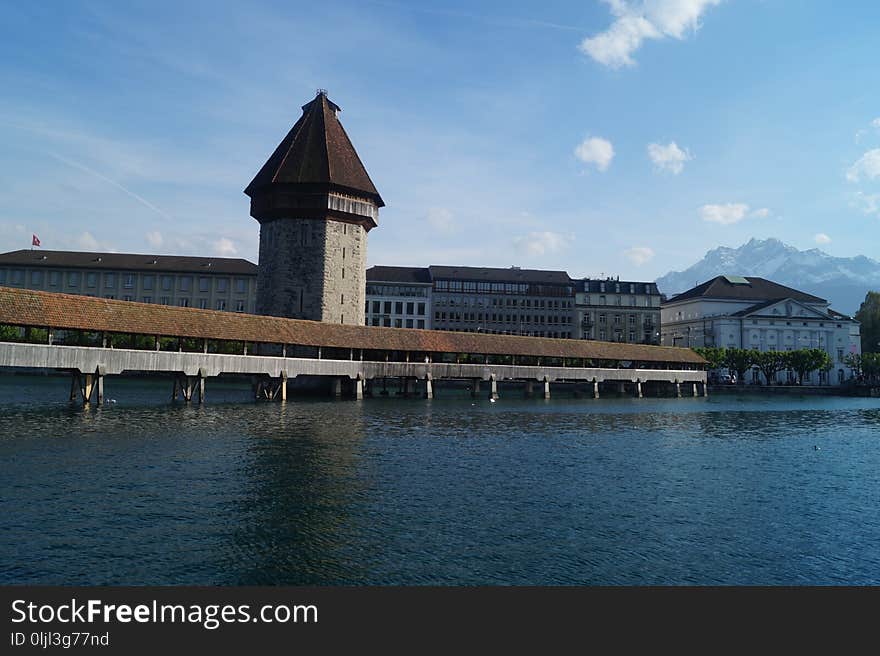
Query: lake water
x,y
725,490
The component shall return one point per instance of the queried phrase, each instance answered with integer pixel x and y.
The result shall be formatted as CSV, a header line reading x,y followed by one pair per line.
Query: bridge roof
x,y
27,307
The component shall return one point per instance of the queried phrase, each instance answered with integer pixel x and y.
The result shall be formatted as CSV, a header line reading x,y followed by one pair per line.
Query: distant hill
x,y
844,281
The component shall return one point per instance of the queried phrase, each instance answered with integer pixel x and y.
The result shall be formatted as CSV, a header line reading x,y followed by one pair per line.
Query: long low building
x,y
95,336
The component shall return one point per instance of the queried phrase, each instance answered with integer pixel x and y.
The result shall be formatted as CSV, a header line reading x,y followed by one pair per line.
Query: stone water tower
x,y
315,203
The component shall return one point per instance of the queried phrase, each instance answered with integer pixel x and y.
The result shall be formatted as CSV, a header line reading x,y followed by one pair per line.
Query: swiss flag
x,y
35,241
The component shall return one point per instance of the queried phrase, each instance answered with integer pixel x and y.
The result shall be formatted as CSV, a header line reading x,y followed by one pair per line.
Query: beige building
x,y
614,310
212,283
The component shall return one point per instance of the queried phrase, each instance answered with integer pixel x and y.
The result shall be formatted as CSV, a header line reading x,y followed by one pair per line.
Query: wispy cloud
x,y
669,158
730,213
822,238
867,167
541,243
638,21
639,255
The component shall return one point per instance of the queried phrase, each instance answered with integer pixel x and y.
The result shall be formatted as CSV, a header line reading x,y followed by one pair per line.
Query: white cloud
x,y
541,243
822,238
761,213
224,247
86,241
867,167
669,158
867,203
875,123
154,238
441,219
638,20
639,255
724,214
595,150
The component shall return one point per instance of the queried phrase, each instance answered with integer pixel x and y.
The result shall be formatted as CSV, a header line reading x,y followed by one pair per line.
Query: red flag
x,y
35,241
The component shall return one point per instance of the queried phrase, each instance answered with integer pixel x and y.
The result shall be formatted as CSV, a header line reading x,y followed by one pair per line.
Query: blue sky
x,y
601,137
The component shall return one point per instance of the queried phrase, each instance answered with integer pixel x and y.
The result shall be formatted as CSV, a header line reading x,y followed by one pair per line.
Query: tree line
x,y
738,361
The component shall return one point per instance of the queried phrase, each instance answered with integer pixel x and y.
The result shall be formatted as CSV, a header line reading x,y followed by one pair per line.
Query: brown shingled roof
x,y
27,307
316,151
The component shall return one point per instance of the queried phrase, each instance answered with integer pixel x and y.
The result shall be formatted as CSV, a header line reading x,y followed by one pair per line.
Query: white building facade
x,y
754,313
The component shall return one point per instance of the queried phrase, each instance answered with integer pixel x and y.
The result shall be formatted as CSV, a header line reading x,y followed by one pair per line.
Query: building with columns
x,y
754,313
315,204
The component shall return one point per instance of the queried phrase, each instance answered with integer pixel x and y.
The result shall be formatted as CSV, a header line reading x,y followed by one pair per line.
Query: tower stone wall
x,y
312,269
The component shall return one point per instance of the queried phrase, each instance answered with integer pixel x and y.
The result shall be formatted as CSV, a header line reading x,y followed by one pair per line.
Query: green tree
x,y
739,361
715,356
804,361
869,317
770,362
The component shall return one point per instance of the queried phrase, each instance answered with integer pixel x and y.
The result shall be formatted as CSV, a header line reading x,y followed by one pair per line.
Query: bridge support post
x,y
705,389
75,385
359,388
282,386
201,386
475,387
546,388
595,389
493,387
529,391
99,375
639,389
695,390
336,388
87,388
429,387
677,389
621,389
384,391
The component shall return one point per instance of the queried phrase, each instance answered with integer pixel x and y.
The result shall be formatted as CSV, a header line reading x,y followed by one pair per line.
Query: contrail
x,y
82,167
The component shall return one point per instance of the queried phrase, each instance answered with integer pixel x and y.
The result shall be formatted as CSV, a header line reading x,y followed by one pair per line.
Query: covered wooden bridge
x,y
92,338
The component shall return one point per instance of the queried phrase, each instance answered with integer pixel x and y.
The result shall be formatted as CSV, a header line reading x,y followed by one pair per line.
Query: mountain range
x,y
843,281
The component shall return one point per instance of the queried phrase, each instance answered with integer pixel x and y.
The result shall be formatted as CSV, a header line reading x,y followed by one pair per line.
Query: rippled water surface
x,y
725,490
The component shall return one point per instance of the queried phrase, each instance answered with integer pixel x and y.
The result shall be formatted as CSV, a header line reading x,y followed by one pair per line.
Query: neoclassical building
x,y
754,313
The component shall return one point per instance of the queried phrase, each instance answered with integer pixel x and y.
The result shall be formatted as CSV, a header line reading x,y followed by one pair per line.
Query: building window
x,y
204,284
239,307
398,307
221,304
36,277
222,284
203,303
128,298
166,300
53,278
91,279
398,323
128,281
109,280
148,299
73,279
632,336
409,323
148,282
185,283
376,307
166,283
183,302
410,309
387,305
240,285
421,309
421,323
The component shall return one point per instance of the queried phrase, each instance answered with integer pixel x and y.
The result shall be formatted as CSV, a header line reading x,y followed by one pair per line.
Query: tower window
x,y
342,298
343,252
343,273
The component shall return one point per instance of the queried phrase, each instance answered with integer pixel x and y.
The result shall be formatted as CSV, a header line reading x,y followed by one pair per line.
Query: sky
x,y
601,137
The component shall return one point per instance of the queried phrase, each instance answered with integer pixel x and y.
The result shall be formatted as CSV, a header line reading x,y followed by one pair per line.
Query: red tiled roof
x,y
26,307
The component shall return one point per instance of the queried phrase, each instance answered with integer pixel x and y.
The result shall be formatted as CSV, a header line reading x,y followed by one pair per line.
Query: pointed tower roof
x,y
316,152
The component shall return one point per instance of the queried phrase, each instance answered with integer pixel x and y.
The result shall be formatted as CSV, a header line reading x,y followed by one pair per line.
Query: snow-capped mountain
x,y
844,281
